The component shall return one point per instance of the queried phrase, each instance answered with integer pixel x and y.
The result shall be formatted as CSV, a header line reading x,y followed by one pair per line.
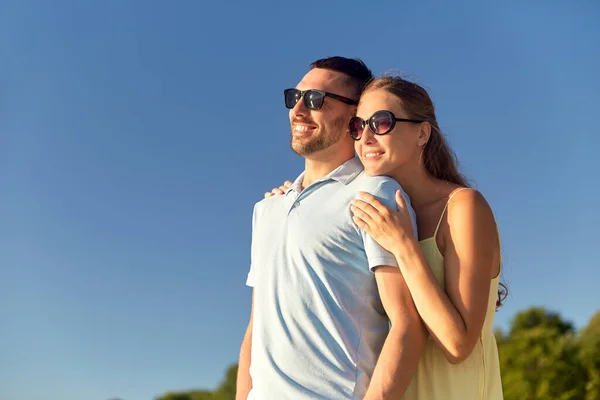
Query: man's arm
x,y
403,346
244,381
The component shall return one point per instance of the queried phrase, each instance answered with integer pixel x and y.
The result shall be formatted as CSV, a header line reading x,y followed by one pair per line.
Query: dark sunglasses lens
x,y
356,127
381,122
291,98
313,100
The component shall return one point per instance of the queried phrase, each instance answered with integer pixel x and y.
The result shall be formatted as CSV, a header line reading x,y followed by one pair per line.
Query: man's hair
x,y
355,69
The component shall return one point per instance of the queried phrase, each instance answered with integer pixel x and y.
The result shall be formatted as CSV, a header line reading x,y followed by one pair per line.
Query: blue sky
x,y
135,138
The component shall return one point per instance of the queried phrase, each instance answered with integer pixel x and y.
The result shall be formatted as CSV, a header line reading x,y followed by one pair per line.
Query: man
x,y
323,290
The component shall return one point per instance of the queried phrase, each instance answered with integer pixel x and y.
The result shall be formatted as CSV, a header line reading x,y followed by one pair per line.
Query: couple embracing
x,y
375,274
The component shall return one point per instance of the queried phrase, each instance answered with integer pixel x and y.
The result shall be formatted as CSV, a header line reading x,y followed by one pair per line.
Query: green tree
x,y
225,391
539,358
192,395
539,317
589,353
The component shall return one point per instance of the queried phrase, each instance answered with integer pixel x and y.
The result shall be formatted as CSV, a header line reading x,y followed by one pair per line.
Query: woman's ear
x,y
424,134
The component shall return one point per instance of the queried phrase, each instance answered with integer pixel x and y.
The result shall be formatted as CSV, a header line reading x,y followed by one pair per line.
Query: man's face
x,y
317,130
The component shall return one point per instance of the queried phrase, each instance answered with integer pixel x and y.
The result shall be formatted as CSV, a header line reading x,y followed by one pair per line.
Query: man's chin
x,y
301,151
304,148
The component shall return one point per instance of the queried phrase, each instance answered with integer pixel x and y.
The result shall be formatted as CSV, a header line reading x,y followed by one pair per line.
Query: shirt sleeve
x,y
385,192
250,279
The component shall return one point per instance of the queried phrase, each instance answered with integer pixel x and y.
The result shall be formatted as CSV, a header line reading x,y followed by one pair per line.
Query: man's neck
x,y
315,169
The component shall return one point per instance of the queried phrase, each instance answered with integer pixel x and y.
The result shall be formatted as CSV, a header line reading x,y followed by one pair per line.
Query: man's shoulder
x,y
376,184
383,188
266,204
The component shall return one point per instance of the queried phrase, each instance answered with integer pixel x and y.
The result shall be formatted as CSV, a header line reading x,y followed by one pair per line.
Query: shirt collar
x,y
345,173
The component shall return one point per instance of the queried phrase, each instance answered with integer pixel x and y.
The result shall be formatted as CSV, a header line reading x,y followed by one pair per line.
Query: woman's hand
x,y
388,227
280,190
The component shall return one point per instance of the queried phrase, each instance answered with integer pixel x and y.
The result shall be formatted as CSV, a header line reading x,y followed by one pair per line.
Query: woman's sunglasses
x,y
380,123
313,99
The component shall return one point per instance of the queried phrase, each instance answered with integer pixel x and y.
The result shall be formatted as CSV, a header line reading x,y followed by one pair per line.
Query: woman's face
x,y
399,148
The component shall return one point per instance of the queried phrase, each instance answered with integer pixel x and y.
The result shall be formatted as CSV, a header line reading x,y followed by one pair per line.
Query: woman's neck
x,y
420,186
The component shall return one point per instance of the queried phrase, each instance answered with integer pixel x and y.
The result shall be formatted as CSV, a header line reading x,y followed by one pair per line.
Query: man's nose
x,y
300,109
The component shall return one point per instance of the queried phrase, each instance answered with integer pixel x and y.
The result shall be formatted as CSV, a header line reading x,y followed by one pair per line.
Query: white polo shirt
x,y
319,324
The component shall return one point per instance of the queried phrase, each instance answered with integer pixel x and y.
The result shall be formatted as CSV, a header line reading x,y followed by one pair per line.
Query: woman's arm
x,y
453,317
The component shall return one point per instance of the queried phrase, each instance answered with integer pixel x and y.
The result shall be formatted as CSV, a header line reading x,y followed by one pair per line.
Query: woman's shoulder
x,y
462,197
469,207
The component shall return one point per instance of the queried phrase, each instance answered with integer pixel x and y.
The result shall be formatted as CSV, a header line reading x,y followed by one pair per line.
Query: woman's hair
x,y
438,158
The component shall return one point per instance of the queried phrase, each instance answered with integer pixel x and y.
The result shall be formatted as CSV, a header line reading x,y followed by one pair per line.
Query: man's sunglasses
x,y
313,99
380,123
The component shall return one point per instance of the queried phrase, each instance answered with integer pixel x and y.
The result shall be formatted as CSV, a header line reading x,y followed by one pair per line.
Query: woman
x,y
453,272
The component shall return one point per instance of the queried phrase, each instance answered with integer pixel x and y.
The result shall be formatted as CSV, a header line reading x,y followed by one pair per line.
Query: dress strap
x,y
444,211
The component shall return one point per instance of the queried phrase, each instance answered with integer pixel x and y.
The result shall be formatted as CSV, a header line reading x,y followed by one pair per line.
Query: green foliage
x,y
541,364
589,353
539,358
226,391
539,317
193,395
